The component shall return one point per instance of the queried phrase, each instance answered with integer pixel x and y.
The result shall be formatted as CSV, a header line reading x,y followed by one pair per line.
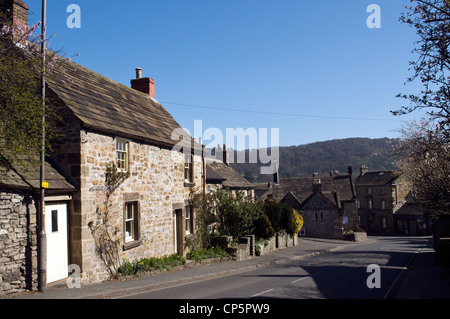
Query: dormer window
x,y
122,149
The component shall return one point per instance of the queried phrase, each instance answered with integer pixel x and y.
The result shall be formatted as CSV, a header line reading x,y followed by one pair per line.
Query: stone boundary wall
x,y
247,247
18,242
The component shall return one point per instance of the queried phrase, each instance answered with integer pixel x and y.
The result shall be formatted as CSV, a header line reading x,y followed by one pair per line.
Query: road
x,y
333,275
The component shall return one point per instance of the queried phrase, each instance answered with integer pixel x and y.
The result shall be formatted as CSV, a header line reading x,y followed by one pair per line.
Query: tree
x,y
236,213
21,107
431,19
424,157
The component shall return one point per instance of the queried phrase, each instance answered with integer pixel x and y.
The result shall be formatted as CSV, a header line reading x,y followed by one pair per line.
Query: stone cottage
x,y
131,166
114,132
219,174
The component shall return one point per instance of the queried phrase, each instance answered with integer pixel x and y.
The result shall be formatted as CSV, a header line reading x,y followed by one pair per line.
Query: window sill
x,y
131,244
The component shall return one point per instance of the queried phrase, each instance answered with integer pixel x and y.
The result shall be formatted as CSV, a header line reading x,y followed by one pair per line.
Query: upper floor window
x,y
189,169
318,216
122,153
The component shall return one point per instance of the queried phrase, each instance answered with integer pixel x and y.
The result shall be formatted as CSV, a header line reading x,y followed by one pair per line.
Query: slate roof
x,y
218,172
302,187
18,176
377,178
318,201
108,106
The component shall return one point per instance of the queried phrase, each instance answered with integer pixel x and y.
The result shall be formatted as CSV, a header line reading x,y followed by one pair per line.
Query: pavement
x,y
422,279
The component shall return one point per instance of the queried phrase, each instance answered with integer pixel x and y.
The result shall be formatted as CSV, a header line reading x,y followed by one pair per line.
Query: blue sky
x,y
313,69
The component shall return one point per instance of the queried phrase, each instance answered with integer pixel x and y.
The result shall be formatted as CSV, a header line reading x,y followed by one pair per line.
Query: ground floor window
x,y
131,221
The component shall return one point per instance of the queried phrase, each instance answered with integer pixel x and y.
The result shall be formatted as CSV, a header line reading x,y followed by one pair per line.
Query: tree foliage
x,y
431,19
425,159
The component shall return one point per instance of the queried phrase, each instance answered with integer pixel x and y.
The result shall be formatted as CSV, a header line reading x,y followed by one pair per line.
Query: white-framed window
x,y
383,204
189,169
369,191
370,204
131,220
122,154
189,220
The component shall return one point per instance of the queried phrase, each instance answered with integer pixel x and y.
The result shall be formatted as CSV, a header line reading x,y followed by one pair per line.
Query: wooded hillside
x,y
323,157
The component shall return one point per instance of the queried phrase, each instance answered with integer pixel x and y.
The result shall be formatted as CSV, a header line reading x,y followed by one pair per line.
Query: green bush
x,y
203,253
263,227
130,268
236,213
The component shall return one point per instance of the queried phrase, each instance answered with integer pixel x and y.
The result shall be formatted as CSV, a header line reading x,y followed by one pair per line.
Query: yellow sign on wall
x,y
44,184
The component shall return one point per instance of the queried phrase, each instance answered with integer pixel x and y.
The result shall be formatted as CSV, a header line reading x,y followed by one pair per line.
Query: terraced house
x,y
131,171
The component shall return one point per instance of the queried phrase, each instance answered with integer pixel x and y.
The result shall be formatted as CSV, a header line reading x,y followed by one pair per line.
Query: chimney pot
x,y
138,73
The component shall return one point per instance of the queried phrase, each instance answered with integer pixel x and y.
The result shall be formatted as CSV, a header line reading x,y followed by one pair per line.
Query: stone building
x,y
327,204
219,174
132,169
107,124
385,204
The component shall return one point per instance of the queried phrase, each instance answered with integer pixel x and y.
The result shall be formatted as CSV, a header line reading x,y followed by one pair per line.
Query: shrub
x,y
130,268
263,227
204,253
236,213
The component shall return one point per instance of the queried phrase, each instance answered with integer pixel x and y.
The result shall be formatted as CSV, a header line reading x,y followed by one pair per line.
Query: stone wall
x,y
18,242
155,181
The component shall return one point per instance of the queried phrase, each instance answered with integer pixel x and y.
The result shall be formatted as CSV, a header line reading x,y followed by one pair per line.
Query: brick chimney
x,y
144,85
317,186
16,11
364,169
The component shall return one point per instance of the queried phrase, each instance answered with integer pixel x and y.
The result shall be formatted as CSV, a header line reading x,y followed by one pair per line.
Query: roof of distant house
x,y
218,172
377,178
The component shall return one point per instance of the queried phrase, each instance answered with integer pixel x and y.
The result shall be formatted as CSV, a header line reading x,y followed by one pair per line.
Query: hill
x,y
323,157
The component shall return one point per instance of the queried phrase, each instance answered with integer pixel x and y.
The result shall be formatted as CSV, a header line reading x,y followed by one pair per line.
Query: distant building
x,y
385,204
327,204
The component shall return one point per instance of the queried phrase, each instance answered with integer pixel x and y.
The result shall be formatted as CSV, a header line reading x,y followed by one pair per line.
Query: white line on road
x,y
261,293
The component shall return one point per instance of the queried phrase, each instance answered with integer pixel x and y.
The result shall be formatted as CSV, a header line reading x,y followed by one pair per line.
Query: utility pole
x,y
42,259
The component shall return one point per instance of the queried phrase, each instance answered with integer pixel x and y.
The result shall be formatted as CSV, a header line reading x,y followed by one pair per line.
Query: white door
x,y
56,231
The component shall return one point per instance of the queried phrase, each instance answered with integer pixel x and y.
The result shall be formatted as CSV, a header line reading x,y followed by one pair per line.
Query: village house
x,y
220,175
131,169
327,204
386,205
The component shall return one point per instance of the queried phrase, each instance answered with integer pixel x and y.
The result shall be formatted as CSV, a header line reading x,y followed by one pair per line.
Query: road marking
x,y
398,277
261,293
303,278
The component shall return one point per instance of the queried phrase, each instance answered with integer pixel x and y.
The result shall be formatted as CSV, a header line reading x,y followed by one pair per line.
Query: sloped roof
x,y
219,172
302,187
318,201
19,176
378,178
108,106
